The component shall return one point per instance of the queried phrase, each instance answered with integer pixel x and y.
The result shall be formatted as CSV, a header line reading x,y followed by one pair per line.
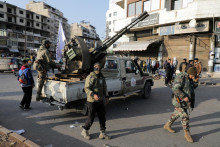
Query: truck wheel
x,y
147,90
85,109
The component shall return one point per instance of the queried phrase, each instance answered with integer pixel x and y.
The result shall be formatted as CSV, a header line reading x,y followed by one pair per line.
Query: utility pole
x,y
192,50
25,41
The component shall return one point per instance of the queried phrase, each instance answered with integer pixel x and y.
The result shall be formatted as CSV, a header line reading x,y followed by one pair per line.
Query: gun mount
x,y
79,59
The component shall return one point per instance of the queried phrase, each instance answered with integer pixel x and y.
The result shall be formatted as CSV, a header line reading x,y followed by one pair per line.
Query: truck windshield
x,y
111,64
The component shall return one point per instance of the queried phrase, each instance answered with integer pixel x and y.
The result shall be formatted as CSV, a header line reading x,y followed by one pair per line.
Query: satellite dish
x,y
192,23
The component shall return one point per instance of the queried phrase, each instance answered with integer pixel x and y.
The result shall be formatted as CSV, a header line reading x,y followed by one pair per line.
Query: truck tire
x,y
85,109
147,90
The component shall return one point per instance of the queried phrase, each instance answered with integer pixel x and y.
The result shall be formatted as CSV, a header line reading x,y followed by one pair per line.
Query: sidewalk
x,y
209,81
8,138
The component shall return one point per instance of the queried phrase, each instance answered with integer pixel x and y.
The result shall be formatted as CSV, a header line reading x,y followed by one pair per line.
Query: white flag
x,y
60,42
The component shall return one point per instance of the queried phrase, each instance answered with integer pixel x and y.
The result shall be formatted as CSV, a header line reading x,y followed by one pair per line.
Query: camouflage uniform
x,y
95,84
183,87
43,55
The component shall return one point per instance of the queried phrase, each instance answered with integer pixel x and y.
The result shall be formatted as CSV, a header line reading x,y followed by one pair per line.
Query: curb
x,y
22,140
209,83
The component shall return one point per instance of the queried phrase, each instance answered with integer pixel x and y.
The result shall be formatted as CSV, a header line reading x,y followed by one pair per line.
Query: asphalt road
x,y
131,122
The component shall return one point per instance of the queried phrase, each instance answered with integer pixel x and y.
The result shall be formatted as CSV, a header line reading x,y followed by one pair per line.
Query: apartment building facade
x,y
175,28
55,16
86,31
21,31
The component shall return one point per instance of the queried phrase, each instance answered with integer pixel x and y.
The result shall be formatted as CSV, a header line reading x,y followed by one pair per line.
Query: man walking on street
x,y
198,66
183,65
27,83
42,64
96,90
168,70
183,99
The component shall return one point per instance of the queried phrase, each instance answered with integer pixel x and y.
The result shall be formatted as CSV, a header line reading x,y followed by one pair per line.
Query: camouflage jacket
x,y
44,55
95,85
183,87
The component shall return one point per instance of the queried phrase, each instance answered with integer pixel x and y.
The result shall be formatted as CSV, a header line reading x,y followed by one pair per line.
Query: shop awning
x,y
14,50
135,45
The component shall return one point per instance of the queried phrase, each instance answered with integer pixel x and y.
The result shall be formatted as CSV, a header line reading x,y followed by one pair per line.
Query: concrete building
x,y
86,31
21,31
116,12
55,16
175,28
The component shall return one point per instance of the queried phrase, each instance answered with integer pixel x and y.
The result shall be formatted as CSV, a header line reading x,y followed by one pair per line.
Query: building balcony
x,y
21,40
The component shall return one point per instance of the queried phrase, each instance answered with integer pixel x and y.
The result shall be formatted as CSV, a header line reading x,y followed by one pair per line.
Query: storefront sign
x,y
217,68
169,30
184,28
150,20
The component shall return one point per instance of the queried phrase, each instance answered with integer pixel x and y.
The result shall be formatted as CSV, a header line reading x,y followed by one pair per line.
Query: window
x,y
3,42
109,30
21,20
130,67
28,24
21,12
48,27
138,7
1,6
9,19
48,20
111,64
28,15
37,17
176,4
155,5
147,5
109,22
115,14
3,33
1,15
37,24
185,3
135,8
151,5
131,9
110,15
9,10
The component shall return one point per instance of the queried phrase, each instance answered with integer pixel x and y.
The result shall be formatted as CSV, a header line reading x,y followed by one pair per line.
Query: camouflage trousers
x,y
182,113
41,79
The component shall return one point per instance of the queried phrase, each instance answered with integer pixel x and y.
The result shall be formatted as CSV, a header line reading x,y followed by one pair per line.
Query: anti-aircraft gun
x,y
79,59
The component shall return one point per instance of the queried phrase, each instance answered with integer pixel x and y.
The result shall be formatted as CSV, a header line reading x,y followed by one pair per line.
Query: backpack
x,y
22,79
183,67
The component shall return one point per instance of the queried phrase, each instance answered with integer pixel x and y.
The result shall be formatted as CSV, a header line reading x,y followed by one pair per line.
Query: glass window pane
x,y
177,4
155,5
131,9
147,6
138,7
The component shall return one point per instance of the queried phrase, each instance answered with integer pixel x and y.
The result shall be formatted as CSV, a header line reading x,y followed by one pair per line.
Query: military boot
x,y
103,135
167,127
85,134
188,136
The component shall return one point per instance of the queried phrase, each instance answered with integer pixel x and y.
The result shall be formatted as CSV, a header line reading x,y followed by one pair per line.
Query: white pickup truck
x,y
123,77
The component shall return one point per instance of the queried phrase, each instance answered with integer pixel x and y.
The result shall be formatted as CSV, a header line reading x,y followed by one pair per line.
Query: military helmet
x,y
44,42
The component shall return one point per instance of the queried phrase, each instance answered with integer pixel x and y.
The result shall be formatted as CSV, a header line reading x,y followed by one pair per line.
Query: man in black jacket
x,y
168,72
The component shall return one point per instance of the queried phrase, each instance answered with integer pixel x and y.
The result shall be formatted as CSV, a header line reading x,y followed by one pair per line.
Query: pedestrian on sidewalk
x,y
183,99
198,66
168,70
97,95
27,83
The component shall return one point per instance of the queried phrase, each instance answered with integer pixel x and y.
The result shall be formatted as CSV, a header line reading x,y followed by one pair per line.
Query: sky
x,y
93,11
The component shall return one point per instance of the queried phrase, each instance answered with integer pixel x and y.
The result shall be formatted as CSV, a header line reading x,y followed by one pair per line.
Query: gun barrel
x,y
107,43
